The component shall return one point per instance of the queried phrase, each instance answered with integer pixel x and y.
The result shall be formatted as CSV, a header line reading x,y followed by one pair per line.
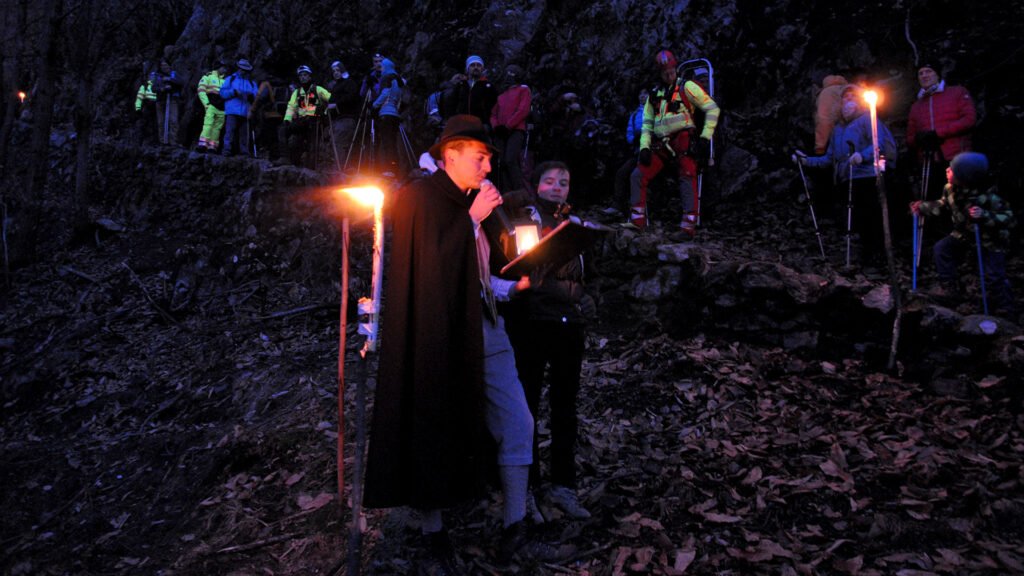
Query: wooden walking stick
x,y
894,287
849,203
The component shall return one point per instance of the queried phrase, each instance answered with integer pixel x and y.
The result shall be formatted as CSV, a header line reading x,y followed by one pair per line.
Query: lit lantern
x,y
527,237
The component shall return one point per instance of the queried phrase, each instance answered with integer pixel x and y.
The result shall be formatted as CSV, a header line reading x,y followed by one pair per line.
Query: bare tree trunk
x,y
11,56
42,108
83,116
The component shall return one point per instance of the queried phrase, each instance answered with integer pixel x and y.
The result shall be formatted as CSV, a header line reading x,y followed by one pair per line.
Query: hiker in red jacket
x,y
940,124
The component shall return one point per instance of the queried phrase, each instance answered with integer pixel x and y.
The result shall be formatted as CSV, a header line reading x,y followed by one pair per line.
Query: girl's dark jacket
x,y
428,438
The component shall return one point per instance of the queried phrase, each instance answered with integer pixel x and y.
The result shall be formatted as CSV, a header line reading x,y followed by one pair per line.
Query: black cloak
x,y
428,441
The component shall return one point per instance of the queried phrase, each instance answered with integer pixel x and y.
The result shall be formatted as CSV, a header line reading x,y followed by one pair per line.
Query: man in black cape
x,y
447,372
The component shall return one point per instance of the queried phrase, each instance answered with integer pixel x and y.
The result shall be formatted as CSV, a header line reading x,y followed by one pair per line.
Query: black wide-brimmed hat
x,y
463,127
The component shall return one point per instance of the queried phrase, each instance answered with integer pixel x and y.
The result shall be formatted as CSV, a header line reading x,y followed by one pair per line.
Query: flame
x,y
871,97
526,237
21,96
366,195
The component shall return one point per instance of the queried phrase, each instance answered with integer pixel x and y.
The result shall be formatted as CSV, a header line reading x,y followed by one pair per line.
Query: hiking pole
x,y
167,118
981,268
926,170
810,202
252,136
700,187
334,145
356,132
917,254
408,145
849,205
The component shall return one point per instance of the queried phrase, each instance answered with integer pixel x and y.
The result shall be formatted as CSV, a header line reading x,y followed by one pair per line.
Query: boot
x,y
689,224
638,215
519,541
440,559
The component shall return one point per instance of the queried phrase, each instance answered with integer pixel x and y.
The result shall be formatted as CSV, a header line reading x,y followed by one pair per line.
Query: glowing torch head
x,y
366,195
871,97
21,97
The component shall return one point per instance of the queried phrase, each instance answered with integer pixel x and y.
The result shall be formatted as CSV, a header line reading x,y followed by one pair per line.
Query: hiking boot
x,y
689,224
201,149
518,541
638,215
531,509
567,501
440,559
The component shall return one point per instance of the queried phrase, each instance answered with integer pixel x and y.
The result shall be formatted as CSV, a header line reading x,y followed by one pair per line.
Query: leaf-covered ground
x,y
170,407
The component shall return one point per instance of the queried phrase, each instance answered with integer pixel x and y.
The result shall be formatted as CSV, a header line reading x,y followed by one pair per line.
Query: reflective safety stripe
x,y
660,122
145,94
303,103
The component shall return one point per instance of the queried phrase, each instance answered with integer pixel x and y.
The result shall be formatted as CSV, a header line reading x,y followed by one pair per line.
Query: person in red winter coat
x,y
508,119
940,124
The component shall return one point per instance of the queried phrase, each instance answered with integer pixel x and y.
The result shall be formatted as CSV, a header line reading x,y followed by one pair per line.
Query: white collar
x,y
933,89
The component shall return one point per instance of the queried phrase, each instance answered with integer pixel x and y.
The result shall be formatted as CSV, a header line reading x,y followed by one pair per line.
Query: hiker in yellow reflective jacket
x,y
145,111
306,103
669,136
213,121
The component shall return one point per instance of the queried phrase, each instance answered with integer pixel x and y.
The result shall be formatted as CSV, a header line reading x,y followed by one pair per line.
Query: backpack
x,y
679,89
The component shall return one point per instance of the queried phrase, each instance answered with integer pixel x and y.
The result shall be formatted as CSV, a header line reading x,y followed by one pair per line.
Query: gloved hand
x,y
587,306
915,207
927,140
702,151
856,158
799,157
645,157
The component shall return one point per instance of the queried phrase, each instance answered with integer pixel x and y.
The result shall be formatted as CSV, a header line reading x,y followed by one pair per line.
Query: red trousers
x,y
686,166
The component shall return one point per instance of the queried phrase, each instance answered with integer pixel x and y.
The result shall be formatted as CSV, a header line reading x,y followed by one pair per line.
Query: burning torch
x,y
370,307
872,99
